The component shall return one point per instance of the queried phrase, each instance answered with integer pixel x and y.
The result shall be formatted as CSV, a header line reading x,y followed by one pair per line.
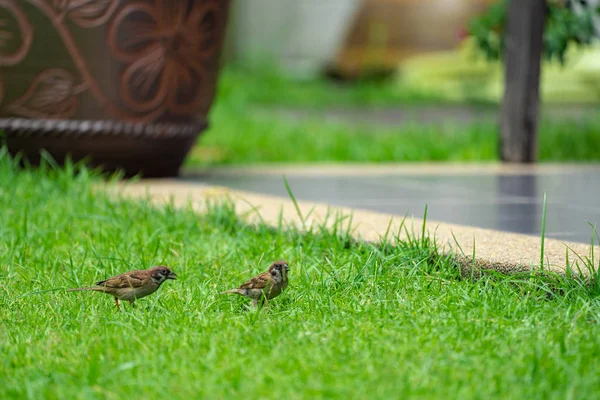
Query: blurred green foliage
x,y
565,26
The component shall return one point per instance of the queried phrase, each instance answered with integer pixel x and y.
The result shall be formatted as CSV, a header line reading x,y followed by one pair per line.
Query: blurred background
x,y
393,81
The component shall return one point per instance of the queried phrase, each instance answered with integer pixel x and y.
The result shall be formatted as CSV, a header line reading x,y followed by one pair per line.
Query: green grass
x,y
267,86
359,320
239,135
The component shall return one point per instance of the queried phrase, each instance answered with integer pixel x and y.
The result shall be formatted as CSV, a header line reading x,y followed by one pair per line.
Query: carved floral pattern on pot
x,y
165,50
53,94
14,46
86,13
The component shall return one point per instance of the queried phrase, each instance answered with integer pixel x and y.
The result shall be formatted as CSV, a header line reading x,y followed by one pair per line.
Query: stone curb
x,y
365,169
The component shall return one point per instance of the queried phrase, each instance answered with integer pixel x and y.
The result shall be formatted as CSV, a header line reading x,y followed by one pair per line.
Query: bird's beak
x,y
172,276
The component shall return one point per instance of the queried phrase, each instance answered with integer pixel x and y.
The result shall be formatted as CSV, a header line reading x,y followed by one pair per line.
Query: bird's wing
x,y
258,282
134,279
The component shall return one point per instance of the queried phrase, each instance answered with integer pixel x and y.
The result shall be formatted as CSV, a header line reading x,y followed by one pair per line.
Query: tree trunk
x,y
523,53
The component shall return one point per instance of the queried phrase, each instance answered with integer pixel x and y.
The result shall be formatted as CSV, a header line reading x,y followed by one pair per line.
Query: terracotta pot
x,y
127,84
386,32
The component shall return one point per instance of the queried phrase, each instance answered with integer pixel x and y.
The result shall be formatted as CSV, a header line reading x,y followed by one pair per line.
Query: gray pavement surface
x,y
424,114
511,202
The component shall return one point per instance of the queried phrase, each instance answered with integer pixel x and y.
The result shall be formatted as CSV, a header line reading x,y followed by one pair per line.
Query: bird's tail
x,y
236,291
82,288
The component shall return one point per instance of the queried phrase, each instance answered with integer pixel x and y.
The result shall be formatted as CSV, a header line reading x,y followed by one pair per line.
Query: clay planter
x,y
127,84
387,32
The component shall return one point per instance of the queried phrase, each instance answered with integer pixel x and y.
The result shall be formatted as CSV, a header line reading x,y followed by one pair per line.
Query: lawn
x,y
358,320
239,134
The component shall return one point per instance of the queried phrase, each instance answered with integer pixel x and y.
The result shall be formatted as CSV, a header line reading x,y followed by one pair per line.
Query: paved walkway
x,y
504,251
424,114
492,196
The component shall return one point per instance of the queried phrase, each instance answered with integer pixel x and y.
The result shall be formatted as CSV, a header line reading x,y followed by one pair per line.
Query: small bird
x,y
133,285
269,284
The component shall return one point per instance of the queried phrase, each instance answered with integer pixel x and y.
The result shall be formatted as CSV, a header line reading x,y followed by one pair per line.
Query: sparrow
x,y
133,285
269,284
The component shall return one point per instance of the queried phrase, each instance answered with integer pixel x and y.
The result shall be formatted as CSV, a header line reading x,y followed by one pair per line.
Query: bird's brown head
x,y
279,267
162,273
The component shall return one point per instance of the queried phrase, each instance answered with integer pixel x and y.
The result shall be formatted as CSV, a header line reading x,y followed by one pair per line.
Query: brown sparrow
x,y
270,283
132,285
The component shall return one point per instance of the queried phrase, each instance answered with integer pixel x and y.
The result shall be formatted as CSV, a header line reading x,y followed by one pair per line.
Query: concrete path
x,y
423,114
502,251
493,196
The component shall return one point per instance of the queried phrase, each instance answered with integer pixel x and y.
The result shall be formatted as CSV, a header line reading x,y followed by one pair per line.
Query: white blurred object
x,y
299,36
